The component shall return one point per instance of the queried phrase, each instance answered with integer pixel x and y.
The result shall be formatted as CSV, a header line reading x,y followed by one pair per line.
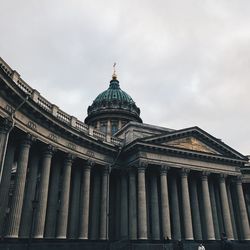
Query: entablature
x,y
181,163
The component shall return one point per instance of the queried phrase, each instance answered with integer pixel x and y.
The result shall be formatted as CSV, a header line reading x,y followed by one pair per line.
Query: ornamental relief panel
x,y
191,143
71,146
9,109
32,125
52,137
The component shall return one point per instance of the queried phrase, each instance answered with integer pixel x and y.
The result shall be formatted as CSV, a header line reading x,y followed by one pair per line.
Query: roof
x,y
114,92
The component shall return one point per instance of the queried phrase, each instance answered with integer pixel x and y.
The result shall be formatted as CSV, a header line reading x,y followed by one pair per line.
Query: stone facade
x,y
61,179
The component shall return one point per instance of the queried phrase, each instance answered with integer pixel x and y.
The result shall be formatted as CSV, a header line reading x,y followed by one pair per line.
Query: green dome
x,y
113,102
114,93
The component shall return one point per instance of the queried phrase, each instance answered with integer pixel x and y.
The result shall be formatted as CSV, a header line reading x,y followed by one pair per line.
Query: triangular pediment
x,y
194,139
191,143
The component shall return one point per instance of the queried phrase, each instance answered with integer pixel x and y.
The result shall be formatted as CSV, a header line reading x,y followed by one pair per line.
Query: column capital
x,y
222,177
184,172
5,125
204,175
49,150
90,163
106,169
27,139
69,158
164,169
142,166
238,180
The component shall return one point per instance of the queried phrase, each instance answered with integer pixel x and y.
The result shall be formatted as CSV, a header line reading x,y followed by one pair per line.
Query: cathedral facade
x,y
113,182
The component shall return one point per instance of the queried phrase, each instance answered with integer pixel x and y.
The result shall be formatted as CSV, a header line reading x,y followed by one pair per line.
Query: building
x,y
112,182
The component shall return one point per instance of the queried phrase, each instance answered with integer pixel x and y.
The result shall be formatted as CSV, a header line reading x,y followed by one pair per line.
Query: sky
x,y
185,62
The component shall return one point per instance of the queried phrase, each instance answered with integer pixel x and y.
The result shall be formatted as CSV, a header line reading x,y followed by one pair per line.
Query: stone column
x,y
214,210
109,127
231,209
166,225
104,204
195,209
18,195
218,207
98,125
43,192
5,184
154,204
5,126
124,205
53,202
187,219
119,124
207,207
132,205
30,190
117,205
84,207
242,210
174,211
142,205
64,200
95,207
75,203
225,208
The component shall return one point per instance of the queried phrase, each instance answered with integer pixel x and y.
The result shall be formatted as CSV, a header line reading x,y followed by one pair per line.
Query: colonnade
x,y
170,203
47,200
56,195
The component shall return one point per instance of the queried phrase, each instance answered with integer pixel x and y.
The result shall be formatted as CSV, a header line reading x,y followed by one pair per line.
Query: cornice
x,y
140,145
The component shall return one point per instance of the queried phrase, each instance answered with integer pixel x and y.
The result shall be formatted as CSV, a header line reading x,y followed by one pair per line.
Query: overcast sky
x,y
185,63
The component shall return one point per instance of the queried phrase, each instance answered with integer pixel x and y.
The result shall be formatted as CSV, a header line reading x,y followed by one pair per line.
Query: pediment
x,y
191,143
194,139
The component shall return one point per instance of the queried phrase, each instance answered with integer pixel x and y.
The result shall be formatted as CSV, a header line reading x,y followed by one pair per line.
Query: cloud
x,y
185,63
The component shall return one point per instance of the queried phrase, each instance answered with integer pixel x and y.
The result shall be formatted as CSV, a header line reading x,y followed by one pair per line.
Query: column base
x,y
142,238
10,236
38,237
213,238
61,237
189,238
82,238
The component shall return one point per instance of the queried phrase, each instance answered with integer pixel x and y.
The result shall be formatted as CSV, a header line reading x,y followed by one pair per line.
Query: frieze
x,y
32,125
53,137
90,153
9,109
71,146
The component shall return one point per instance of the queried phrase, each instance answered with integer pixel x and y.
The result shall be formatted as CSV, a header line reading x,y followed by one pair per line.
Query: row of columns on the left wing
x,y
18,203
